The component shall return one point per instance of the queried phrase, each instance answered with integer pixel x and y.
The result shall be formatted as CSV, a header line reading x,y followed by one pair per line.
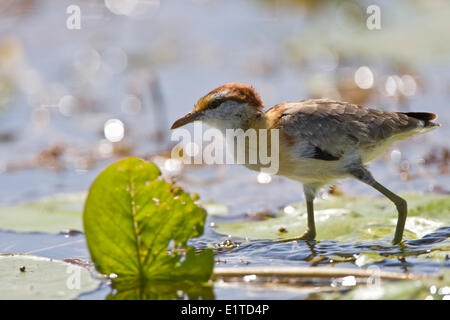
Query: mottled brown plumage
x,y
229,92
337,127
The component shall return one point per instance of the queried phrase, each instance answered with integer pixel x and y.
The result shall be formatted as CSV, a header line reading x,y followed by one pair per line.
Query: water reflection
x,y
145,290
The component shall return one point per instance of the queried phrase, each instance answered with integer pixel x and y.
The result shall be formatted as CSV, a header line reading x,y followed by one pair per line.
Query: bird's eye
x,y
215,103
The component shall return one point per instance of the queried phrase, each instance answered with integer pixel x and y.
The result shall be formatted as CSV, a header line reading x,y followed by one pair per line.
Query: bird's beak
x,y
190,117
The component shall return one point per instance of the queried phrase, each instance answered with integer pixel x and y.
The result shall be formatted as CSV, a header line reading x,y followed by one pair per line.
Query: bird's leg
x,y
310,234
365,176
310,194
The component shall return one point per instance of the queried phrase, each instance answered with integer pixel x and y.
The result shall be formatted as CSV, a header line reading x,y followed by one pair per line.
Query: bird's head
x,y
228,106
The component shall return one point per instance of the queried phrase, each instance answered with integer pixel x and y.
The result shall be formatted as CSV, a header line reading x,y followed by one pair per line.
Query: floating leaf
x,y
432,288
368,258
50,215
63,212
349,218
214,209
137,226
441,254
32,277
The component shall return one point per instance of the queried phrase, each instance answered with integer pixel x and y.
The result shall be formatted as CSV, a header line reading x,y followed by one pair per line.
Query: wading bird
x,y
320,140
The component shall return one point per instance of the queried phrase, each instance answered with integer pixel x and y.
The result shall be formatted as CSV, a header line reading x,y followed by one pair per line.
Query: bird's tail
x,y
424,117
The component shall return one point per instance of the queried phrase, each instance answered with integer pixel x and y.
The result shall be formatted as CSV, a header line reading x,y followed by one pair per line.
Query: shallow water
x,y
262,253
190,52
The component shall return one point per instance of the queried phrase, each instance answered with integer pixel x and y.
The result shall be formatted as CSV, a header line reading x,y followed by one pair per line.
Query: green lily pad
x,y
50,215
214,209
33,277
63,212
368,258
441,254
432,288
349,218
137,226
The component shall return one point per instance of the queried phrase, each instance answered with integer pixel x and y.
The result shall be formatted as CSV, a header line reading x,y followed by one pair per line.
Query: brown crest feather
x,y
232,91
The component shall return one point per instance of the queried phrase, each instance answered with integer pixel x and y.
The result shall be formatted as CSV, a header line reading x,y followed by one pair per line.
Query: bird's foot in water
x,y
308,236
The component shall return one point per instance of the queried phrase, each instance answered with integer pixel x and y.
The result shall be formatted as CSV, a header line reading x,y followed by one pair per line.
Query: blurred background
x,y
86,82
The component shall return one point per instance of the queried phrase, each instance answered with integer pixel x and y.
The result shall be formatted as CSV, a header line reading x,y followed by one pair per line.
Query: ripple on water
x,y
398,258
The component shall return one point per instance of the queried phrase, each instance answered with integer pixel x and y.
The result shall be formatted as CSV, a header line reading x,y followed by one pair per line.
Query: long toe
x,y
308,236
397,240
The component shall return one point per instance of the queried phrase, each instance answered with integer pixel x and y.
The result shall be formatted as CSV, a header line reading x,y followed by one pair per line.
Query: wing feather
x,y
335,127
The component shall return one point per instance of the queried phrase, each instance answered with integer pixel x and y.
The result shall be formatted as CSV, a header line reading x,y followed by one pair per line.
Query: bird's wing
x,y
334,127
